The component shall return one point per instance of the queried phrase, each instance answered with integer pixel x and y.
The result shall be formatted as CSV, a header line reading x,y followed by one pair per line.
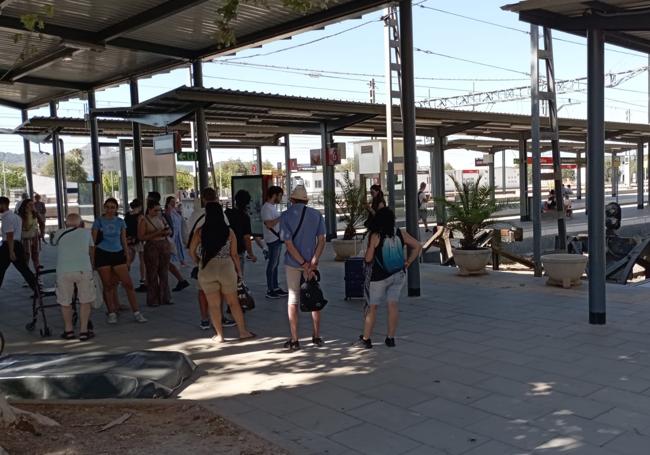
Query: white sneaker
x,y
139,317
112,318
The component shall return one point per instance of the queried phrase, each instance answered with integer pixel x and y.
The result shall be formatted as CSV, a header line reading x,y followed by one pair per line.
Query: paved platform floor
x,y
499,364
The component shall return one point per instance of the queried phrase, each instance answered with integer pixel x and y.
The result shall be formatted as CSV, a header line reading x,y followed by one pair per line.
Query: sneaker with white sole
x,y
205,325
139,317
225,322
112,318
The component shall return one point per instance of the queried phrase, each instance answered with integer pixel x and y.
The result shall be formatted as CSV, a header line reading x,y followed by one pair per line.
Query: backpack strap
x,y
67,231
302,218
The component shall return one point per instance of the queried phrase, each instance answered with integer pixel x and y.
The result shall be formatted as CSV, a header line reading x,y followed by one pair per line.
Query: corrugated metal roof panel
x,y
89,15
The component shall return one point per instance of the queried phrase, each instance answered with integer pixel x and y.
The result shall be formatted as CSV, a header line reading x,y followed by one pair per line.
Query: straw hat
x,y
299,193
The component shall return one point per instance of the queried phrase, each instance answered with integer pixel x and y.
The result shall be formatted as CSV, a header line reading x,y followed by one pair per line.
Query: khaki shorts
x,y
65,287
219,275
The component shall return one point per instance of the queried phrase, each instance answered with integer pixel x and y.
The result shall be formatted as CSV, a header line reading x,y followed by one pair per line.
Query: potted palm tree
x,y
351,203
469,214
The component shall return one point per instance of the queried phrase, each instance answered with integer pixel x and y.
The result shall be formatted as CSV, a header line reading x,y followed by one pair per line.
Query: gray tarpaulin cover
x,y
139,374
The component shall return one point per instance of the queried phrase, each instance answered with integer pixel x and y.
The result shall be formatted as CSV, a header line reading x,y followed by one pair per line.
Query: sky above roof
x,y
462,46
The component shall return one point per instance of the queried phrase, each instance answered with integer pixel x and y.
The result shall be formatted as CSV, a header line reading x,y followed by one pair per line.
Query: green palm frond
x,y
472,211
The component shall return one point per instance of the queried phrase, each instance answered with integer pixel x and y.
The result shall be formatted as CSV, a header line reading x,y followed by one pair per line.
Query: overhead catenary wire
x,y
317,72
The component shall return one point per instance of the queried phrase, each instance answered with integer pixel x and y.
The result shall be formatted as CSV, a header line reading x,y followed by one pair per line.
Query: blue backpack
x,y
392,253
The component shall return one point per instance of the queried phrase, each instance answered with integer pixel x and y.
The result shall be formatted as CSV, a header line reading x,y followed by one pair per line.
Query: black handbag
x,y
311,294
244,296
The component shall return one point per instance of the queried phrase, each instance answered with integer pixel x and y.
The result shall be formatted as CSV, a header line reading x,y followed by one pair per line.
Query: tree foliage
x,y
74,170
14,176
228,13
471,212
352,204
184,179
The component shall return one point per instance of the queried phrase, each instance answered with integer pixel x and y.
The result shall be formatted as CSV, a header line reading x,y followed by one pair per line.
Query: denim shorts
x,y
387,290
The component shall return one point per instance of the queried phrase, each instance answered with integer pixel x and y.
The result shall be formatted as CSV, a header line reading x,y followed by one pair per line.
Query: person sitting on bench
x,y
74,269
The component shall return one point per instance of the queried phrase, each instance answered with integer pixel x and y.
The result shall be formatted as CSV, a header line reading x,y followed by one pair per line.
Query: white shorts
x,y
293,284
65,287
387,290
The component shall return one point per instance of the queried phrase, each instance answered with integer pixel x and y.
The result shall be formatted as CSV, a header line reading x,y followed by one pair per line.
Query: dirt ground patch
x,y
174,428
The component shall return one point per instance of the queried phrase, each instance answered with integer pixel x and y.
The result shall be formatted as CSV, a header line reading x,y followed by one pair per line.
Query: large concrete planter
x,y
345,248
564,269
472,262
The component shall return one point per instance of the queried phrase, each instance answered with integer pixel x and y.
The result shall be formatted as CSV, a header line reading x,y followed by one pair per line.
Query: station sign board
x,y
187,156
167,144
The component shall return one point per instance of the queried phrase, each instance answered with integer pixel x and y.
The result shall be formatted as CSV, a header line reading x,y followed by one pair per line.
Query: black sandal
x,y
85,336
68,335
292,345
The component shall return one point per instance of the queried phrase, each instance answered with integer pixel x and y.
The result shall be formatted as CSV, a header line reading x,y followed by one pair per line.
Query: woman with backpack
x,y
386,267
218,268
378,202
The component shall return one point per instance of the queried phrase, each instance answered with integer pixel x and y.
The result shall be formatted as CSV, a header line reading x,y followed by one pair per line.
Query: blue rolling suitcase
x,y
354,278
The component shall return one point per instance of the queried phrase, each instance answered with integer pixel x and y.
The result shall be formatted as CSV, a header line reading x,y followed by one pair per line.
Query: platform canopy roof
x,y
89,44
490,145
249,115
626,22
40,129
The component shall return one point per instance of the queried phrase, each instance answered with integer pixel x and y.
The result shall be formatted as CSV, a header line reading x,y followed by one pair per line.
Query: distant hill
x,y
18,159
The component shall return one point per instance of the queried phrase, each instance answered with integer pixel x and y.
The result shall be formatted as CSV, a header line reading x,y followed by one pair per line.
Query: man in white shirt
x,y
11,250
74,269
196,221
271,231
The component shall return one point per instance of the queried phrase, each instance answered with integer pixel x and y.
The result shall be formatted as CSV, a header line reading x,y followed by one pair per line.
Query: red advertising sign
x,y
470,171
253,168
293,164
333,156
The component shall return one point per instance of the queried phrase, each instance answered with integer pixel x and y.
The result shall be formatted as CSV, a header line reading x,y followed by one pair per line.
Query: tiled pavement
x,y
499,364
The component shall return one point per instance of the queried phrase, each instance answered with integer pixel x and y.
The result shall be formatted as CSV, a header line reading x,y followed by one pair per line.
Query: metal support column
x,y
503,171
95,158
524,210
28,159
639,175
579,175
258,157
64,178
124,182
328,185
438,177
596,174
410,153
614,176
287,159
138,176
492,178
60,216
201,131
535,210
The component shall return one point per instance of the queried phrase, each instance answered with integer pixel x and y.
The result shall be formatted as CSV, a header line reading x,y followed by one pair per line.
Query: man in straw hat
x,y
302,229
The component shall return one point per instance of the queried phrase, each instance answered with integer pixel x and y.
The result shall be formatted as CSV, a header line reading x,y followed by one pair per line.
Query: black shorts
x,y
105,258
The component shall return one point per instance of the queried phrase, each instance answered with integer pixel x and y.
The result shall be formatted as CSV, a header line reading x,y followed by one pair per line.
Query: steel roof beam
x,y
345,122
81,37
456,129
45,82
42,60
633,20
12,104
145,18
